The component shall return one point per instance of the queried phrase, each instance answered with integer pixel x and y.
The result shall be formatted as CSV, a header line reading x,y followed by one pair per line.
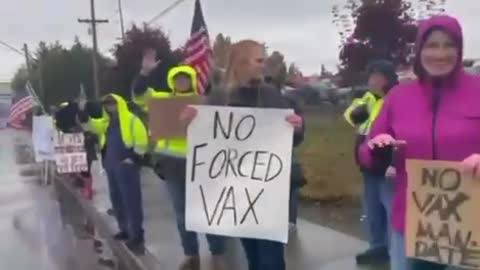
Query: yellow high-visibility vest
x,y
133,131
374,106
175,146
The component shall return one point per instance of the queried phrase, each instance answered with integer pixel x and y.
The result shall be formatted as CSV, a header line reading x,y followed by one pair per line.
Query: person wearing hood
x,y
123,141
169,161
378,192
436,117
245,87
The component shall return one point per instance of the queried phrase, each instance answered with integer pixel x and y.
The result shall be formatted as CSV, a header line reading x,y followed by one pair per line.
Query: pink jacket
x,y
448,129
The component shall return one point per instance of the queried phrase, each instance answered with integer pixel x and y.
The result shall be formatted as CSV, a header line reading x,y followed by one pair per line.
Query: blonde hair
x,y
238,63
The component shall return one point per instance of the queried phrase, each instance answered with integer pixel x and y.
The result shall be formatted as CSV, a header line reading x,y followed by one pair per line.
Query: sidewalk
x,y
313,247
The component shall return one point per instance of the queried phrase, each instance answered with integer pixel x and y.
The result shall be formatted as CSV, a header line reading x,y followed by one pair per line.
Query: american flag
x,y
21,105
198,50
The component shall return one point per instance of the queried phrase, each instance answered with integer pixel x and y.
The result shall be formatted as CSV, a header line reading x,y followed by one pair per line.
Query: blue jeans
x,y
176,188
293,205
126,199
264,254
399,260
378,196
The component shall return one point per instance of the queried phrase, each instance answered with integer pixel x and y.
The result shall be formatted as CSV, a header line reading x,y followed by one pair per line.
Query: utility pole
x,y
120,12
28,63
93,24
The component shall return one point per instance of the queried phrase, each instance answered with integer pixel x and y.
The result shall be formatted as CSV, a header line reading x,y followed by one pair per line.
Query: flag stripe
x,y
20,108
198,50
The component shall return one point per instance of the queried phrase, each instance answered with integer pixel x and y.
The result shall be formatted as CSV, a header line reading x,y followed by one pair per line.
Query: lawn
x,y
327,157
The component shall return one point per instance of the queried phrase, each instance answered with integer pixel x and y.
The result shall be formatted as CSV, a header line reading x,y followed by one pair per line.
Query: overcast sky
x,y
302,30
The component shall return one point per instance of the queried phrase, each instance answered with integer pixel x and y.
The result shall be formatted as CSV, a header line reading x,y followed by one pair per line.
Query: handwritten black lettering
x,y
213,165
211,218
448,245
269,177
249,131
450,179
441,204
446,207
447,179
217,124
240,163
232,156
232,206
257,162
423,206
251,205
426,250
470,258
194,162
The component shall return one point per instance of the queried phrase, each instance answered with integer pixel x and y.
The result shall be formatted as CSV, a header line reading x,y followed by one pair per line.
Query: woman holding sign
x,y
245,88
436,117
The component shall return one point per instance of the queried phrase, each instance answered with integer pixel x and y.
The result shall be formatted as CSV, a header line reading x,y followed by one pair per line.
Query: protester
x,y
244,87
436,117
169,161
66,120
378,192
124,140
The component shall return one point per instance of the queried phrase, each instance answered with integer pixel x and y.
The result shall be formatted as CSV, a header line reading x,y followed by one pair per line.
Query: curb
x,y
126,258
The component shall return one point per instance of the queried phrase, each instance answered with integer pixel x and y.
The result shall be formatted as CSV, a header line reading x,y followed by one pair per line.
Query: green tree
x,y
60,71
383,29
20,79
221,50
128,57
277,68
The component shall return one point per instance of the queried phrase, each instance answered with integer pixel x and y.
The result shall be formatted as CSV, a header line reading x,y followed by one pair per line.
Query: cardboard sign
x,y
43,133
164,116
238,172
443,220
70,155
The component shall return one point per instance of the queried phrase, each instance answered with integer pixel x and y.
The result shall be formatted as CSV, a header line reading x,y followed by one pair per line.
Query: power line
x,y
12,48
165,11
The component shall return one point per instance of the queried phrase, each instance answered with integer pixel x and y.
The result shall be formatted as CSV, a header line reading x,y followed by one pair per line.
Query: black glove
x,y
382,159
360,114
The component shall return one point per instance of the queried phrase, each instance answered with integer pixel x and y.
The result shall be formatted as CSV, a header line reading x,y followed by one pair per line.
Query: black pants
x,y
264,254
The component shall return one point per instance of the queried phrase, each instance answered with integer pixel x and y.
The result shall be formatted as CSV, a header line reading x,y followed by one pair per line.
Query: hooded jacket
x,y
447,128
363,112
170,154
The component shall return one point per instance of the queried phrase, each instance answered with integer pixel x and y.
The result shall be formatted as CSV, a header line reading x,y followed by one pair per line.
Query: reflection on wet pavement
x,y
37,231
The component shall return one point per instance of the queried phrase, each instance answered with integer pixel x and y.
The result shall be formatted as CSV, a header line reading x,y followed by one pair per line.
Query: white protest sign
x,y
43,133
70,155
238,172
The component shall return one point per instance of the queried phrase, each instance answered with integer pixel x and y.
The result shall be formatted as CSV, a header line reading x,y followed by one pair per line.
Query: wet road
x,y
37,232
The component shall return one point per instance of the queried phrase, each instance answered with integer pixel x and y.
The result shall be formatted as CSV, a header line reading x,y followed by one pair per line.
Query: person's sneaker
x,y
373,256
190,263
218,263
121,236
136,247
